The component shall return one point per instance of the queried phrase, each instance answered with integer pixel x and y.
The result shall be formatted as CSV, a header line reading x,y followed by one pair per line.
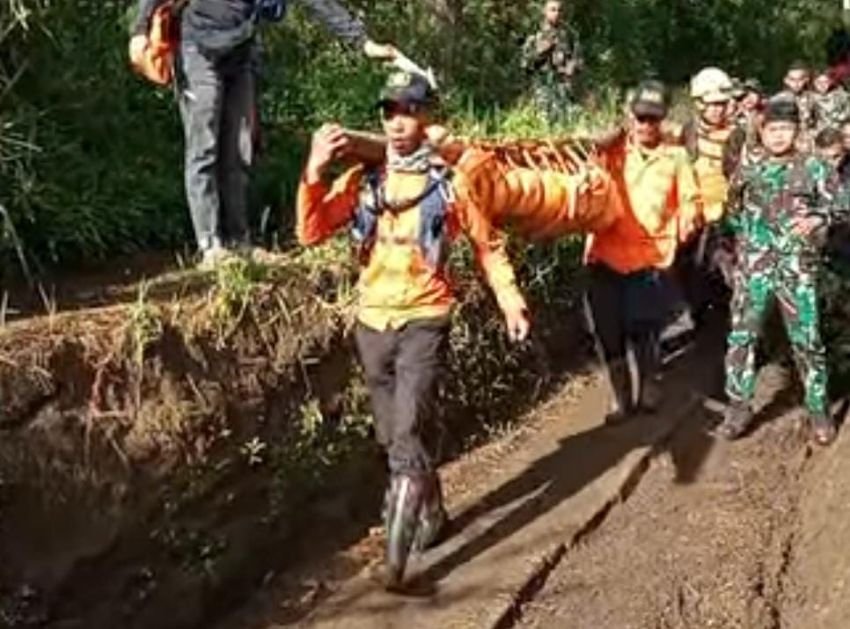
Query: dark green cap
x,y
782,108
408,88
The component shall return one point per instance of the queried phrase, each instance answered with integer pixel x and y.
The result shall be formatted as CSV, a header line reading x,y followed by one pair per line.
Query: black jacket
x,y
223,24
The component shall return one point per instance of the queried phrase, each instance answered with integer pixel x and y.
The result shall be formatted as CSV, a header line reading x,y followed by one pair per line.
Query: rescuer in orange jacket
x,y
628,293
403,216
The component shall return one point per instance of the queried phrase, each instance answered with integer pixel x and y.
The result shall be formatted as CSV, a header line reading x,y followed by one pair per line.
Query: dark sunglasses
x,y
648,119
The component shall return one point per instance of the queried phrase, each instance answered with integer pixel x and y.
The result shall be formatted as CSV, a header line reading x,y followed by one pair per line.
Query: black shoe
x,y
824,430
736,420
617,417
620,381
404,505
717,404
620,412
651,396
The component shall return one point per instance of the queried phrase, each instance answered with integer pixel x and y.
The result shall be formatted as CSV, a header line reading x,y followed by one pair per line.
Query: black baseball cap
x,y
650,100
407,88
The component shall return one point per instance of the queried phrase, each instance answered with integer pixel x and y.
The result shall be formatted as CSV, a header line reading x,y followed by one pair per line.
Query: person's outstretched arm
x,y
337,19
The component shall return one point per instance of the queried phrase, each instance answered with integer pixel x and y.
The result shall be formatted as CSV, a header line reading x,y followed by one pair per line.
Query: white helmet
x,y
711,85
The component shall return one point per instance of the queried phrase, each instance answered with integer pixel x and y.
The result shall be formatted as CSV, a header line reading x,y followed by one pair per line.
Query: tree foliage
x,y
90,156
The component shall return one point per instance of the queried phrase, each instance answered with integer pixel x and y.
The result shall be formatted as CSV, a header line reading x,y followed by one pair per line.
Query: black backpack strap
x,y
375,184
434,205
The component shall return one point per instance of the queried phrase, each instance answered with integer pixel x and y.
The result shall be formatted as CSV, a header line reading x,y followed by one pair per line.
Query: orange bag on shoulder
x,y
157,61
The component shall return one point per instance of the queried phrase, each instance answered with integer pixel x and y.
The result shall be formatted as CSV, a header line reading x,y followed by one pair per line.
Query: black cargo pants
x,y
402,368
628,311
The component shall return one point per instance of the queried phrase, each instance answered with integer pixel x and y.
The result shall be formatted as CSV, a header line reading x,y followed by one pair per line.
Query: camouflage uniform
x,y
774,263
553,72
744,145
831,109
806,105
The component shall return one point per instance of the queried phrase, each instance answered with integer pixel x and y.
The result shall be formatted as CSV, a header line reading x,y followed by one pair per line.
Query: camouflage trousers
x,y
795,293
554,101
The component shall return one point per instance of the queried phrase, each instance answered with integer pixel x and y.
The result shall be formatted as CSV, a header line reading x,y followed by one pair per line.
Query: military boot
x,y
620,379
405,500
824,430
736,420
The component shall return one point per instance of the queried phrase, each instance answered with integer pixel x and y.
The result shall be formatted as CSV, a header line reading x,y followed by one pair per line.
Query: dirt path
x,y
748,535
518,504
651,525
817,584
704,541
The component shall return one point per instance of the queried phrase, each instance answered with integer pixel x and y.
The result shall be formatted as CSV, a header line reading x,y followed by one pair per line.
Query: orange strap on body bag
x,y
157,61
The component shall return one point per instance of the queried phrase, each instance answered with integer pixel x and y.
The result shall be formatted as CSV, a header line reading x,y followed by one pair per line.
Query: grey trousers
x,y
402,369
217,100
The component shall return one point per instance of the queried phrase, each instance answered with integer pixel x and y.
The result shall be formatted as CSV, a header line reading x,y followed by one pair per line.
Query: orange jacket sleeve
x,y
322,210
489,247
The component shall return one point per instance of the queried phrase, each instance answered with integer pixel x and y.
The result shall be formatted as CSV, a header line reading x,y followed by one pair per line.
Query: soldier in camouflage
x,y
829,144
780,209
831,103
750,103
830,148
552,58
744,144
797,86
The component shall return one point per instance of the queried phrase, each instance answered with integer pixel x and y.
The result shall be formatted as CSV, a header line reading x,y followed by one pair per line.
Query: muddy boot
x,y
824,430
712,382
648,359
736,419
621,407
404,506
433,519
651,395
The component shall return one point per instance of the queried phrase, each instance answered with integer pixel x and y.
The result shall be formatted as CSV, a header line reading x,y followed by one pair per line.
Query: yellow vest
x,y
708,166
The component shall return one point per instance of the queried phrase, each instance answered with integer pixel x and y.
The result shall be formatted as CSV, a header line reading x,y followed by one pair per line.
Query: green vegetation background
x,y
90,156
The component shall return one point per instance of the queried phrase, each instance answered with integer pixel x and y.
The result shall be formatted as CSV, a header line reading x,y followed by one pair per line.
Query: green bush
x,y
90,155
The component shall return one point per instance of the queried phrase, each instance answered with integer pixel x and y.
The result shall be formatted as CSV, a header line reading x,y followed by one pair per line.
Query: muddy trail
x,y
166,453
199,456
705,540
655,524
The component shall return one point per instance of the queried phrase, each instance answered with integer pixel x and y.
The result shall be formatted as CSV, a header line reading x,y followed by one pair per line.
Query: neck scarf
x,y
419,161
